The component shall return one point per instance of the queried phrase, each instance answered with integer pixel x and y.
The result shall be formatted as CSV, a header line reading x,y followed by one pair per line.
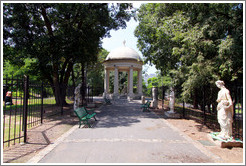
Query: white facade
x,y
123,59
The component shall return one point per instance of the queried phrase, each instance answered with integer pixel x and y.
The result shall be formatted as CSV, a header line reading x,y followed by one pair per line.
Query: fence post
x,y
92,94
88,94
163,97
183,109
26,86
42,102
235,102
203,106
62,108
62,99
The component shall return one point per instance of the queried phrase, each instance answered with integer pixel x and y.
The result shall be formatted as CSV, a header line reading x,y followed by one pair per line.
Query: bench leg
x,y
87,123
146,109
95,118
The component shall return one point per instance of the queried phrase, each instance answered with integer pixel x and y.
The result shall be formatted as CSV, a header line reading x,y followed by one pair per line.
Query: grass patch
x,y
32,103
13,117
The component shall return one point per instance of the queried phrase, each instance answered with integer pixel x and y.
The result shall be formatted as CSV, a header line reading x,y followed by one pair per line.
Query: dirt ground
x,y
45,134
40,136
200,133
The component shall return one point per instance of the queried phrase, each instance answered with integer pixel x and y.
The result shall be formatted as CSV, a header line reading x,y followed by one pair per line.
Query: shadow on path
x,y
121,114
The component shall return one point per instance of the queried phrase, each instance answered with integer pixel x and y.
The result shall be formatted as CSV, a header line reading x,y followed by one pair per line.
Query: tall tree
x,y
195,43
95,73
58,36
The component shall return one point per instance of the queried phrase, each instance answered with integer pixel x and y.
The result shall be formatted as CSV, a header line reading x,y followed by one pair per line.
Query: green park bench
x,y
107,101
84,115
146,106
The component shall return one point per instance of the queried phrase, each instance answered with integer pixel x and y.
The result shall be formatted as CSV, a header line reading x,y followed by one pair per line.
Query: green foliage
x,y
14,70
195,44
58,35
95,73
157,81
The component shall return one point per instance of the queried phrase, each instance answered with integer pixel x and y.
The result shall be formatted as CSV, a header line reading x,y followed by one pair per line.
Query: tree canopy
x,y
58,35
196,43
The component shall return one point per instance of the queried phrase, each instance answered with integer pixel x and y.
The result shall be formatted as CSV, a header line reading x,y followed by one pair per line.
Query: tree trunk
x,y
73,80
56,85
195,103
60,87
83,82
59,91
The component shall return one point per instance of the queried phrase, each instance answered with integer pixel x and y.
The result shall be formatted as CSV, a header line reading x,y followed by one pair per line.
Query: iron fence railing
x,y
30,103
207,113
13,113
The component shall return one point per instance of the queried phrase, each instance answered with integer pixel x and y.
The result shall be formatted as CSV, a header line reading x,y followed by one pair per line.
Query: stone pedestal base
x,y
115,96
106,95
130,97
229,143
171,114
143,99
155,103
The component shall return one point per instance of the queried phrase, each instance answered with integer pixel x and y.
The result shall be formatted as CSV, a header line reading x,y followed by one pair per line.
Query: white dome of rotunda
x,y
123,52
123,59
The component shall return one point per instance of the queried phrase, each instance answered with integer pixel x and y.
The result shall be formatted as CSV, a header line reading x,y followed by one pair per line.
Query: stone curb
x,y
50,147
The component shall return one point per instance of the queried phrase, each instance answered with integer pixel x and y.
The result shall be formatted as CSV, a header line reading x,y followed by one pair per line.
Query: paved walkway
x,y
125,134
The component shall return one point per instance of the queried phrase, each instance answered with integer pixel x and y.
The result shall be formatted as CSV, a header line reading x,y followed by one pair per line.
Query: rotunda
x,y
123,59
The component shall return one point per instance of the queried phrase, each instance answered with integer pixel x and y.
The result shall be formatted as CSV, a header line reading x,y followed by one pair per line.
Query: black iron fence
x,y
207,113
87,98
13,114
26,104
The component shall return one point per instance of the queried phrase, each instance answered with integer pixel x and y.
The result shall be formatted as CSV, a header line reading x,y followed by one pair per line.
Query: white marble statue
x,y
225,111
77,97
171,101
155,97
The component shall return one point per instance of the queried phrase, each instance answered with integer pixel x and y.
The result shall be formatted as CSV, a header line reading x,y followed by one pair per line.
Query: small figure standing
x,y
8,98
225,111
171,101
155,97
77,97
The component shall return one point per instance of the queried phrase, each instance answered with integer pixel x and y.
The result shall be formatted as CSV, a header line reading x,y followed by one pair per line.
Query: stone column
x,y
106,82
116,82
130,94
140,93
128,81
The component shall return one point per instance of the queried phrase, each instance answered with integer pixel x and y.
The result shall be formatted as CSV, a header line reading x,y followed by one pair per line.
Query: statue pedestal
x,y
224,143
143,99
155,103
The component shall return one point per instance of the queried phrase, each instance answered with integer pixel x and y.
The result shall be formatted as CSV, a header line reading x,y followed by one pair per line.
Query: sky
x,y
117,38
